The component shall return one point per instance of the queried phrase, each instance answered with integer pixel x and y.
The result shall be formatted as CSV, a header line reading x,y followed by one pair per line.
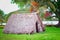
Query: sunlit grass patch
x,y
50,33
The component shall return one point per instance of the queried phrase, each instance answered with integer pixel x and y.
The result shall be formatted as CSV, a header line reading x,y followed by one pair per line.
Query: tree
x,y
57,12
21,3
1,16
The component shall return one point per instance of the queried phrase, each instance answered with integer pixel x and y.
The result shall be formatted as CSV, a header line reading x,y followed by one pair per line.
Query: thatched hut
x,y
23,23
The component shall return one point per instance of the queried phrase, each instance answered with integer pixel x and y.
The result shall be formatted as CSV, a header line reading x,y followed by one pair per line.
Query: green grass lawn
x,y
51,33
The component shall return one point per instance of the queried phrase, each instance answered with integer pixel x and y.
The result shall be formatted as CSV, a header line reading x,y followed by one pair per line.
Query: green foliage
x,y
20,3
1,16
41,3
1,13
57,5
